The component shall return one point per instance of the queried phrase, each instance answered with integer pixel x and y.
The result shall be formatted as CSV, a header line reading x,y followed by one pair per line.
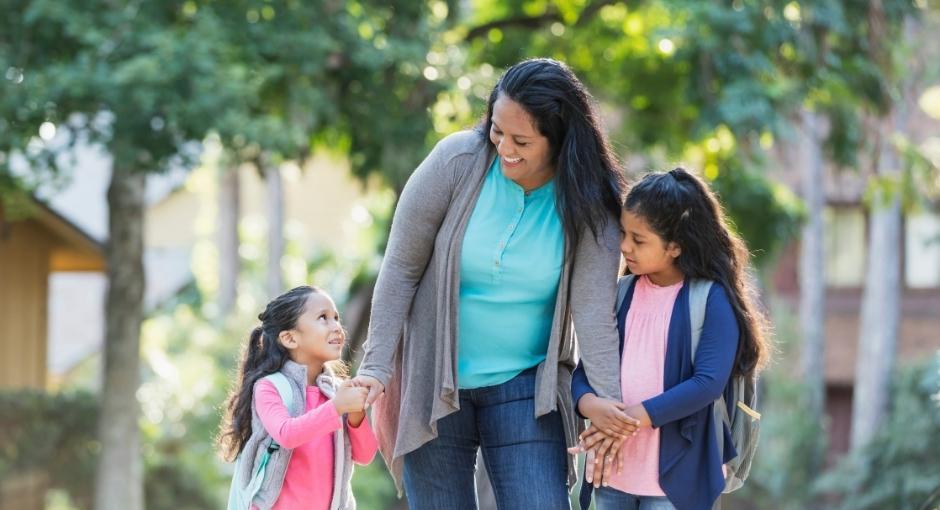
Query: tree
x,y
228,240
150,80
145,81
881,298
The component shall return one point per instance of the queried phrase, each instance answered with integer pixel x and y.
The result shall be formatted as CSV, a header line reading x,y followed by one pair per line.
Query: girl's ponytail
x,y
253,351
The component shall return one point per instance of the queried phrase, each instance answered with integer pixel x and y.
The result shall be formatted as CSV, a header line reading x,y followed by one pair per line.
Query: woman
x,y
504,238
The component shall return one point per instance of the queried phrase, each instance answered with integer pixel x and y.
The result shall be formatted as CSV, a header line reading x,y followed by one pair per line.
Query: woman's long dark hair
x,y
263,355
589,183
682,209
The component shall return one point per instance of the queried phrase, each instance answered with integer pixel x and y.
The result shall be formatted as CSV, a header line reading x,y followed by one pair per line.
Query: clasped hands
x,y
355,395
612,423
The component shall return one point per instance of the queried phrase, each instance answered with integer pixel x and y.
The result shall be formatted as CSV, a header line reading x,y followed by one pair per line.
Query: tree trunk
x,y
812,268
229,214
119,482
356,317
881,299
275,204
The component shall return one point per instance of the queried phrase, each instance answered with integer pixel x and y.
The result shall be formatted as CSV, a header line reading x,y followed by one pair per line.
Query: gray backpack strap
x,y
280,382
623,285
698,299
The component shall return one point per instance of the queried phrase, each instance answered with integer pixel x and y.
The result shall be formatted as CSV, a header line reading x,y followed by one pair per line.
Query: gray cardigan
x,y
416,298
277,465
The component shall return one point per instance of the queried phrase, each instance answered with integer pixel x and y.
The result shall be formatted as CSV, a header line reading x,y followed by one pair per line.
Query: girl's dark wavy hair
x,y
263,355
682,209
589,183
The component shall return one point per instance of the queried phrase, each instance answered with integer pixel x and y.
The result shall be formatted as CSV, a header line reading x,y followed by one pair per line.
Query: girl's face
x,y
524,153
318,335
646,252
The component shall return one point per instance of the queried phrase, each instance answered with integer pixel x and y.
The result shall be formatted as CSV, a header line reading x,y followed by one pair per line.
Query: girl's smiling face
x,y
318,335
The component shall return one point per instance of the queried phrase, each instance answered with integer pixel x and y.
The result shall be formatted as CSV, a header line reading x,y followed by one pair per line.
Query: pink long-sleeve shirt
x,y
308,483
646,332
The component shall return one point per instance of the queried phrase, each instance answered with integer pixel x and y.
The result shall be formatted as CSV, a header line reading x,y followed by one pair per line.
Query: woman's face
x,y
524,153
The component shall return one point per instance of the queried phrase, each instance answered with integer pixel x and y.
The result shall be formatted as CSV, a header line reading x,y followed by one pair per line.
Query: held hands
x,y
603,452
350,398
612,423
372,384
608,416
369,388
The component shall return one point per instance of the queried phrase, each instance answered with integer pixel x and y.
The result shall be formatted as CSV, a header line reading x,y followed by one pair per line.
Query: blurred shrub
x,y
901,467
55,434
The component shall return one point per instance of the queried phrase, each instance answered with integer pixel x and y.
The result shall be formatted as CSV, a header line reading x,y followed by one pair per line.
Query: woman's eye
x,y
521,144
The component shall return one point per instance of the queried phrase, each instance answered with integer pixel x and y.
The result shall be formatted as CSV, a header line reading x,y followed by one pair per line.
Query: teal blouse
x,y
510,266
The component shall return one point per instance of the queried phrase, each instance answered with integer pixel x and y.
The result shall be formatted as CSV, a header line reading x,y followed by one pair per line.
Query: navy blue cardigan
x,y
689,460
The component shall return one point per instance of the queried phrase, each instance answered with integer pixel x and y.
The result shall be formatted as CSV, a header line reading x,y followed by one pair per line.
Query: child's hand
x,y
608,416
355,419
350,399
639,412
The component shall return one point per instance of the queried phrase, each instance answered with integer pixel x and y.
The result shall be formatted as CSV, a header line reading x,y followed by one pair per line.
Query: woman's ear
x,y
287,339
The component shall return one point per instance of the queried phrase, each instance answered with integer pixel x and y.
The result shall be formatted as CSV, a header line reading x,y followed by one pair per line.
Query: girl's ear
x,y
673,249
287,339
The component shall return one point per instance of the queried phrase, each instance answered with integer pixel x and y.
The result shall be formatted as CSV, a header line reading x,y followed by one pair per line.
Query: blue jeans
x,y
525,457
608,498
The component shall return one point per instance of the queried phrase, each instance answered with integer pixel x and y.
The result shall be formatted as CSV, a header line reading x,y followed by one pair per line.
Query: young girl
x,y
323,432
673,232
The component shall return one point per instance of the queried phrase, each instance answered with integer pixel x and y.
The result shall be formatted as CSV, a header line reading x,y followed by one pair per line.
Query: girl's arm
x,y
292,432
580,386
421,209
363,442
714,360
593,295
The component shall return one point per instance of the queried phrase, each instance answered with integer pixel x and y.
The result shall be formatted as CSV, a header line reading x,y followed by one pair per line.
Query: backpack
x,y
741,419
242,492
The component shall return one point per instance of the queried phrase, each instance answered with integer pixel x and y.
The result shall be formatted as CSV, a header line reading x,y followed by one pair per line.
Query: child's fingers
x,y
626,419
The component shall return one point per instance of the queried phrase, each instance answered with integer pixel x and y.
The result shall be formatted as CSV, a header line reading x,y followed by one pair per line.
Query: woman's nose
x,y
505,147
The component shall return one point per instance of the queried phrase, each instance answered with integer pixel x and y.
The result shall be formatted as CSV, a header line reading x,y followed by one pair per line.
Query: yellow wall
x,y
24,274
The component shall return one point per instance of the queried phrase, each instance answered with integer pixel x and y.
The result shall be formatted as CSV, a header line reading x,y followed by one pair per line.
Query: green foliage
x,y
144,79
766,214
899,468
55,434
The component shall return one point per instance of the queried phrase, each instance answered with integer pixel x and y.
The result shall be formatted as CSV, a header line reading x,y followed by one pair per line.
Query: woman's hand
x,y
603,452
608,416
372,384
